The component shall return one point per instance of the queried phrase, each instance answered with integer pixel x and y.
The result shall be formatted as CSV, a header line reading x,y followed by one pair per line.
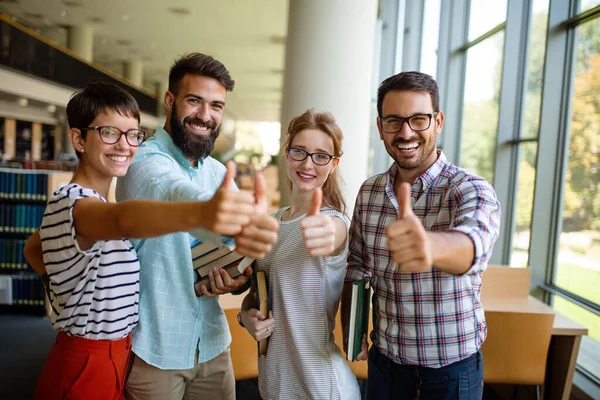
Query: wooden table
x,y
506,289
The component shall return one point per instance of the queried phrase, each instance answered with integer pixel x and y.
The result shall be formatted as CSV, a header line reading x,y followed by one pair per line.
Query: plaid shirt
x,y
427,318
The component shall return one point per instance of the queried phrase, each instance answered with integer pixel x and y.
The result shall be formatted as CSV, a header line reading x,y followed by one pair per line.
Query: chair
x,y
516,348
244,353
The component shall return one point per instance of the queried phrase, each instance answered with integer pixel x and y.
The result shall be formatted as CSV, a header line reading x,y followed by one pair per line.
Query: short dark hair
x,y
413,81
97,98
199,64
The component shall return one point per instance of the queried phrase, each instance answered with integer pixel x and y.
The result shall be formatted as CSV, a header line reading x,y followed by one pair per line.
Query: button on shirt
x,y
426,318
173,322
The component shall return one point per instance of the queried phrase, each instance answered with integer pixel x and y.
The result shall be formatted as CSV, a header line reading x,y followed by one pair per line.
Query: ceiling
x,y
248,36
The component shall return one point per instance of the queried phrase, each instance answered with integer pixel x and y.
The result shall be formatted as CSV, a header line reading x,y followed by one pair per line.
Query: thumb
x,y
404,202
315,204
260,191
229,175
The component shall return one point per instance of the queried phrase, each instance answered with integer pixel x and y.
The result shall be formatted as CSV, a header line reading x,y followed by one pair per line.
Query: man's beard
x,y
192,145
426,149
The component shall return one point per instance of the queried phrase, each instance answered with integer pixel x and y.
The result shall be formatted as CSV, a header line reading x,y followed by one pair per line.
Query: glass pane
x,y
431,29
578,267
480,107
588,4
590,345
485,15
535,68
524,205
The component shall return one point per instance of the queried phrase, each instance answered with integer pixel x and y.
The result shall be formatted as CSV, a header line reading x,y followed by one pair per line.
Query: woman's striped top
x,y
94,292
302,360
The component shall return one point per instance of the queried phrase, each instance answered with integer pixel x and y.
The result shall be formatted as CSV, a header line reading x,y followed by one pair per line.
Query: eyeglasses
x,y
417,122
111,135
317,158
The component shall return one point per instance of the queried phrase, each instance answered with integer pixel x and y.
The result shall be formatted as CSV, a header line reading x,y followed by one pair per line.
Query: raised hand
x,y
257,237
318,229
228,211
407,238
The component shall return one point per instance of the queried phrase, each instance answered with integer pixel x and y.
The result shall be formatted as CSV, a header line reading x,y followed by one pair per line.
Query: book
x,y
358,324
260,281
234,269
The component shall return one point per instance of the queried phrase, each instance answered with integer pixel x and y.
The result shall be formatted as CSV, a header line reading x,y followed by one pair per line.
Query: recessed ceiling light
x,y
51,108
63,13
180,11
125,17
22,101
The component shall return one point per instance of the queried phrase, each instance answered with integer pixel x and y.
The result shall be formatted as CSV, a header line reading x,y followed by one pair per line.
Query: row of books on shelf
x,y
11,254
21,218
24,185
26,290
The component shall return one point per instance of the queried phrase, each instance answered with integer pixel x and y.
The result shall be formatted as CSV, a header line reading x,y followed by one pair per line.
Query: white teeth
x,y
199,127
118,158
305,175
408,146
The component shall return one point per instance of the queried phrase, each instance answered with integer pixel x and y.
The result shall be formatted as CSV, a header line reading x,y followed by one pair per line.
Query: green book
x,y
358,324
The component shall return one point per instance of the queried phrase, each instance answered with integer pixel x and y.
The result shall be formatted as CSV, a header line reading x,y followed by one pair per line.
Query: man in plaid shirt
x,y
423,233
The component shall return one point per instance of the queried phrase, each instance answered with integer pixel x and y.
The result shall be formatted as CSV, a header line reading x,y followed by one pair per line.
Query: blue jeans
x,y
462,380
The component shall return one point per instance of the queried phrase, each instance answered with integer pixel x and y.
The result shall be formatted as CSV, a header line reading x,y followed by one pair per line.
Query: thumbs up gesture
x,y
228,211
318,229
407,239
257,237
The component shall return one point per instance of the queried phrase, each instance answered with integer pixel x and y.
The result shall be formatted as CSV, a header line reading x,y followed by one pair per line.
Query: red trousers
x,y
79,368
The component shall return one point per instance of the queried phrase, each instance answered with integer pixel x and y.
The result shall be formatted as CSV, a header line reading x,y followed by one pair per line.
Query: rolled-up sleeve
x,y
358,259
477,214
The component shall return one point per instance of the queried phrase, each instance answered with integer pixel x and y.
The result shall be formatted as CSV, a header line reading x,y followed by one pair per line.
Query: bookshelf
x,y
23,197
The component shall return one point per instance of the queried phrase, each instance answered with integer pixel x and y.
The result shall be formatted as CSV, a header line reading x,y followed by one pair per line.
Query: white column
x,y
133,70
328,66
161,87
80,39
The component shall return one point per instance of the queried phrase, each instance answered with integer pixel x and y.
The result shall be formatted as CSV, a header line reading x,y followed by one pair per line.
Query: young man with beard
x,y
423,233
181,343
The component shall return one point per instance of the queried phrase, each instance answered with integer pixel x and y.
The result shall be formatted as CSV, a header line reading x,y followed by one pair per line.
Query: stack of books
x,y
207,255
358,326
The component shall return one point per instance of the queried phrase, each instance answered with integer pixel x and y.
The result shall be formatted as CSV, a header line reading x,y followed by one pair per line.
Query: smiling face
x,y
306,175
106,160
195,114
412,151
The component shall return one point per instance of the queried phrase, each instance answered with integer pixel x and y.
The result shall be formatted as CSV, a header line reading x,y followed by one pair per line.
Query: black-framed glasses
x,y
112,134
297,154
417,122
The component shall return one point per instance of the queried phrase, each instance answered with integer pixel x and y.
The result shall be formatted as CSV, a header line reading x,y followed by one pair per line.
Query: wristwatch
x,y
239,318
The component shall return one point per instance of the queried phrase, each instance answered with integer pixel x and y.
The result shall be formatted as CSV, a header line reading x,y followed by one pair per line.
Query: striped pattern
x,y
429,318
94,292
302,360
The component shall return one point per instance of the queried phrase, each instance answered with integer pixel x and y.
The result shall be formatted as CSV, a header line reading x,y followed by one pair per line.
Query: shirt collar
x,y
426,178
166,140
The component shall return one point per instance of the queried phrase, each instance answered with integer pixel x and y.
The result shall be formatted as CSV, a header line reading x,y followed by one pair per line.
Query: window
x,y
431,30
578,265
485,15
480,107
531,124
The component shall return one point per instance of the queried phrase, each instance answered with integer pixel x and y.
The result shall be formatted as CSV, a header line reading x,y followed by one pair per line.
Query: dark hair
x,y
97,98
413,81
324,122
199,64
